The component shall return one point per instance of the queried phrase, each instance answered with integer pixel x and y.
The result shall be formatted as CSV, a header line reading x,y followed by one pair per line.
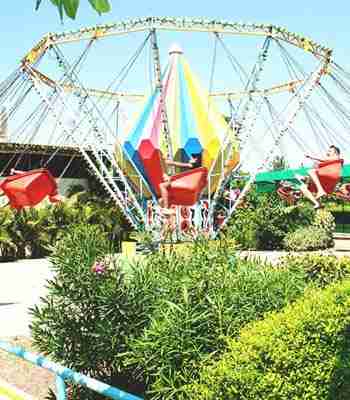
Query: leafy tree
x,y
279,163
70,7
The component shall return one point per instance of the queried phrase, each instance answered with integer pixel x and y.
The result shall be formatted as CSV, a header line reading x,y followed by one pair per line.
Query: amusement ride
x,y
179,122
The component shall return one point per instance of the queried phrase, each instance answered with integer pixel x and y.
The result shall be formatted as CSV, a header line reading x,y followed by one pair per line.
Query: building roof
x,y
58,159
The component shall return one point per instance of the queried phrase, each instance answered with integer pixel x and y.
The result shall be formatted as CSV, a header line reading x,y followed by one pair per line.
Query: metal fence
x,y
64,374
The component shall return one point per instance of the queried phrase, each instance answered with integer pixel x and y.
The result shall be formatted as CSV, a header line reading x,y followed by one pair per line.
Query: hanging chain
x,y
159,87
246,124
300,99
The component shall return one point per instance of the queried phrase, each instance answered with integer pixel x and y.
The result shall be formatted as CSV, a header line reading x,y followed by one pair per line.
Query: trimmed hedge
x,y
302,352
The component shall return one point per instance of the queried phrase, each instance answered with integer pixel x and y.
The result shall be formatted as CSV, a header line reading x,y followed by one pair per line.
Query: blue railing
x,y
66,374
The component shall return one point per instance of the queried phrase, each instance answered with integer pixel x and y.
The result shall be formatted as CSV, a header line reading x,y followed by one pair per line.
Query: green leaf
x,y
101,6
56,2
59,5
37,5
71,7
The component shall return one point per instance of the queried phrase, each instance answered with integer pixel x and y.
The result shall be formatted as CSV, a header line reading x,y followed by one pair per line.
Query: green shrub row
x,y
147,327
302,352
318,268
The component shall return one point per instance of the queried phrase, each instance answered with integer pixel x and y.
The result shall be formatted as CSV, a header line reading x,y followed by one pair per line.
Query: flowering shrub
x,y
99,268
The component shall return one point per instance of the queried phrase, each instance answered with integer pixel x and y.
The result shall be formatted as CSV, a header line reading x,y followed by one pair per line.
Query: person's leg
x,y
316,180
164,194
306,192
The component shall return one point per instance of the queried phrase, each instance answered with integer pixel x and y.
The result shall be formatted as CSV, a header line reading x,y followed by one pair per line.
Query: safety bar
x,y
66,374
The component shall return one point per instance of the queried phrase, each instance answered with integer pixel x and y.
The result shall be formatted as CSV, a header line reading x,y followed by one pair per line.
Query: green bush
x,y
302,352
265,220
146,327
8,246
307,239
321,269
324,220
317,236
87,317
31,232
197,302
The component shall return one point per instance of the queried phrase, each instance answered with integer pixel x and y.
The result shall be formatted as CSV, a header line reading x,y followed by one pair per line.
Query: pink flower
x,y
99,268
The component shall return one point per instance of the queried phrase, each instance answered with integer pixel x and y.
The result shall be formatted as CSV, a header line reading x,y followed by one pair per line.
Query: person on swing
x,y
194,162
333,154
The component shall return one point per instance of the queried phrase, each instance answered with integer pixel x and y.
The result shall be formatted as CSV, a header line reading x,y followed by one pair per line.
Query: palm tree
x,y
8,247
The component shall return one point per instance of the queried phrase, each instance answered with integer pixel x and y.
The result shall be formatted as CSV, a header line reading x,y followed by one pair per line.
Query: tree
x,y
70,7
278,163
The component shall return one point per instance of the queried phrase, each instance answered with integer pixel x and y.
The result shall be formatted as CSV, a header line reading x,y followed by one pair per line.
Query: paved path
x,y
274,257
22,283
9,392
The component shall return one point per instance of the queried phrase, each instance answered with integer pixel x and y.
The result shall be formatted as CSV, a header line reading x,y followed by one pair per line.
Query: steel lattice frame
x,y
127,199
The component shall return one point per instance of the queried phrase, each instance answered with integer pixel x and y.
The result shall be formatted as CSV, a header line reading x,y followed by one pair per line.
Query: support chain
x,y
246,128
130,210
246,122
89,114
159,86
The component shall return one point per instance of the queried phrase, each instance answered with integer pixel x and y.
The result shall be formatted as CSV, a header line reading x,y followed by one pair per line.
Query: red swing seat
x,y
186,187
329,173
27,189
288,194
344,192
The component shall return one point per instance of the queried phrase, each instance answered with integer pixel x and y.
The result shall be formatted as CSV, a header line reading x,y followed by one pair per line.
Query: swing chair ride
x,y
274,108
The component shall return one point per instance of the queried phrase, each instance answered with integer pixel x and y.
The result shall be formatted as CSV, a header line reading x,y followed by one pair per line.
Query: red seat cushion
x,y
344,192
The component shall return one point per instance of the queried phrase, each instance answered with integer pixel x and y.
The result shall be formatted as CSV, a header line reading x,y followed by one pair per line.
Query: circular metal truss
x,y
179,24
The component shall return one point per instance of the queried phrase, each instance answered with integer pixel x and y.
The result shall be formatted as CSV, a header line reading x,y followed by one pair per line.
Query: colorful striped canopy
x,y
196,127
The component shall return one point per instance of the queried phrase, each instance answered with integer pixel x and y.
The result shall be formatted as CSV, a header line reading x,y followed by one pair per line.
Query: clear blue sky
x,y
326,22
